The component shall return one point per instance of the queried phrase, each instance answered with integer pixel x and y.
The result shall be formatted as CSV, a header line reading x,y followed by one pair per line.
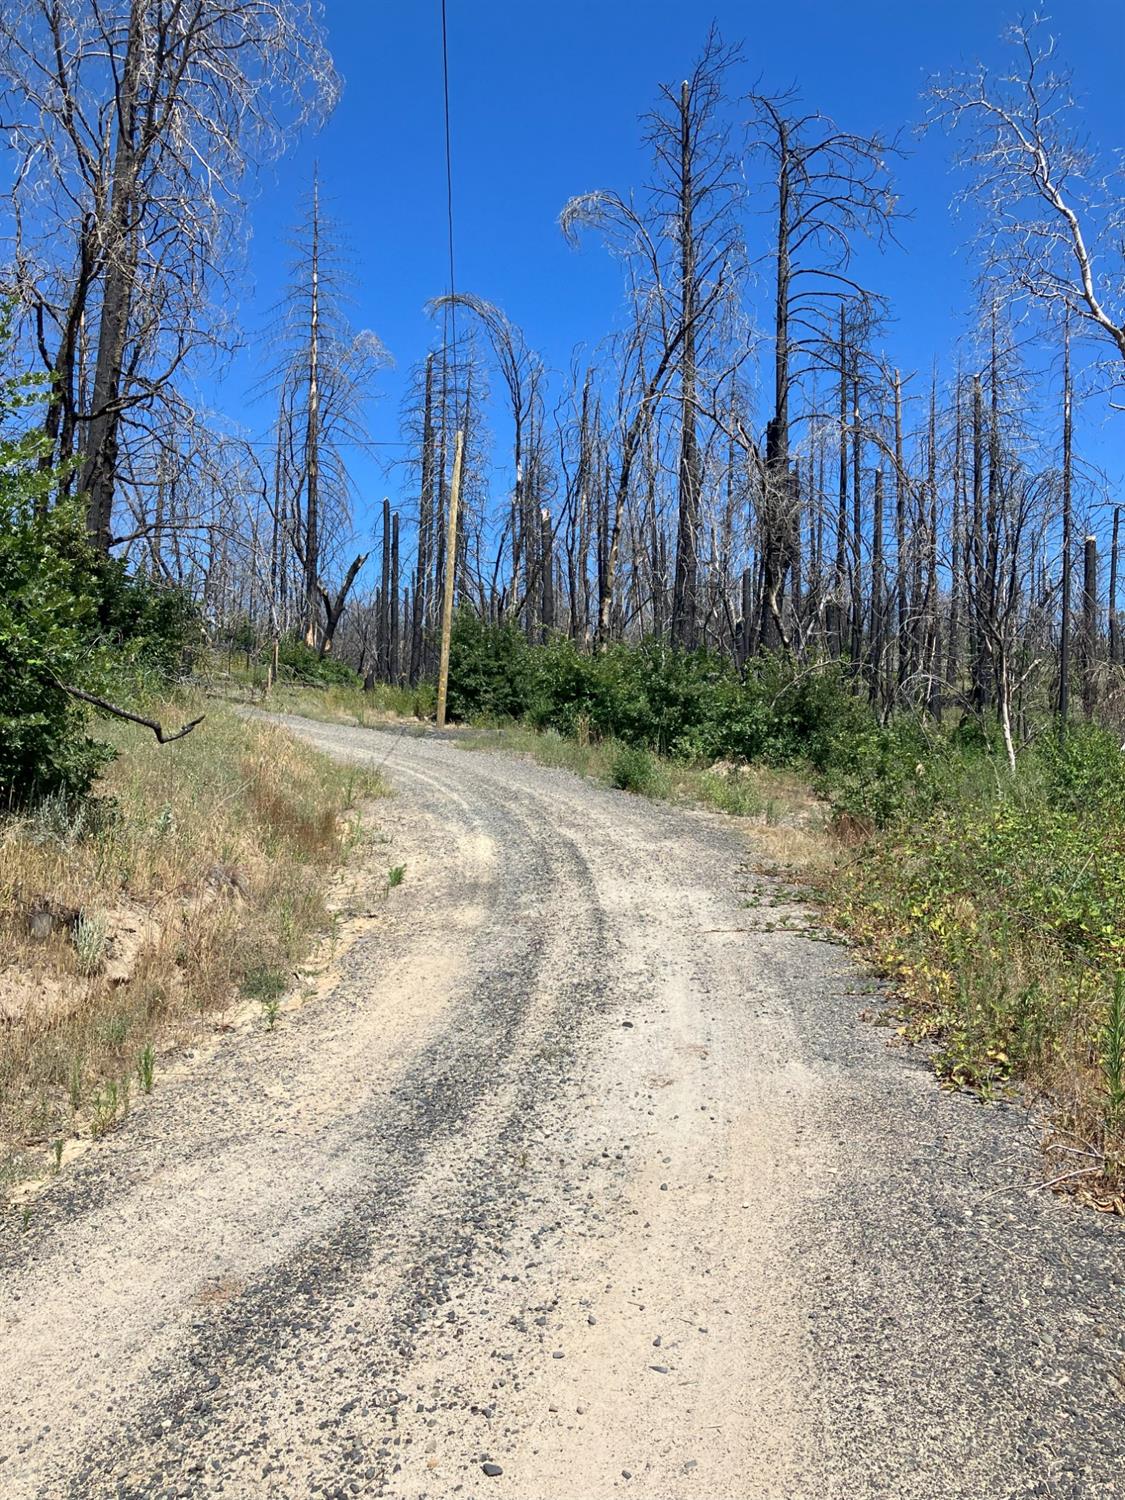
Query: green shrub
x,y
47,617
1084,768
691,705
150,626
301,661
67,615
490,675
635,770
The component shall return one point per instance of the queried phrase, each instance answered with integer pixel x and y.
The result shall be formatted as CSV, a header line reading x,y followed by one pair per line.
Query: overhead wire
x,y
449,322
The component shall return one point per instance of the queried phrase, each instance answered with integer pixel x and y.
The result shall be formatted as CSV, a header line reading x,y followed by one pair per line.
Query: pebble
x,y
492,1470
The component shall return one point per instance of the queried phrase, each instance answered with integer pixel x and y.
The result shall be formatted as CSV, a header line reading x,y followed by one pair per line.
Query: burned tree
x,y
830,186
133,126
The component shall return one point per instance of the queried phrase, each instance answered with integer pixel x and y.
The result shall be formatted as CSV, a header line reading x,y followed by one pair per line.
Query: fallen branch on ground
x,y
158,730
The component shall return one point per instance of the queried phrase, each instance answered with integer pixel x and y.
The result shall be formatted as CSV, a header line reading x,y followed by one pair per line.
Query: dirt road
x,y
583,1180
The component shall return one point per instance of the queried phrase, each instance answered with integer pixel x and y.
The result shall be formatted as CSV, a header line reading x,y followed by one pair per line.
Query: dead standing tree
x,y
323,376
521,371
695,194
133,126
831,186
645,357
1052,221
682,257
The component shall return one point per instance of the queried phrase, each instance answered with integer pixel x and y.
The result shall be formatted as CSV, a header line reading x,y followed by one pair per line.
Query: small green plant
x,y
114,1030
91,937
56,1153
264,984
732,794
106,1103
395,876
271,1006
146,1069
634,770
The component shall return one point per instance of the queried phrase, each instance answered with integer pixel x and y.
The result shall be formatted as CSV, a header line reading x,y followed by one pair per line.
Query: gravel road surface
x,y
581,1178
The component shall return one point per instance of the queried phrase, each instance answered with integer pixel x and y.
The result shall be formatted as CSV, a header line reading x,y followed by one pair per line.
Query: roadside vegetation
x,y
138,920
151,880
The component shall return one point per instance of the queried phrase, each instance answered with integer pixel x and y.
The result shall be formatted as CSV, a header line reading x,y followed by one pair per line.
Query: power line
x,y
451,306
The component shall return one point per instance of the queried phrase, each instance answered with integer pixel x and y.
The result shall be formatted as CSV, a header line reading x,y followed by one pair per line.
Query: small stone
x,y
558,1354
492,1470
660,1369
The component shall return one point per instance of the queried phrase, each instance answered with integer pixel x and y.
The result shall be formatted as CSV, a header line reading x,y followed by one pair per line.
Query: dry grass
x,y
333,704
195,878
790,823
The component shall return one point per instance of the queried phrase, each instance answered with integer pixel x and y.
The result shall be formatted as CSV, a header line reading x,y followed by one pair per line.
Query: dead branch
x,y
158,730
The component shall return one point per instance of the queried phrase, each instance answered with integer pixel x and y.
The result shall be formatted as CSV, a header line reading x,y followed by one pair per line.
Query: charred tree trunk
x,y
118,254
1067,523
685,597
395,651
547,578
1090,627
1114,629
878,589
312,438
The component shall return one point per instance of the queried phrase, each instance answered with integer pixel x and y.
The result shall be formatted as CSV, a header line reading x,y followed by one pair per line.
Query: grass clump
x,y
635,770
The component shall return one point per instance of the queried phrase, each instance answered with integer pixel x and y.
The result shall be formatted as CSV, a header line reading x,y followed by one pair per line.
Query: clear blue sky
x,y
545,100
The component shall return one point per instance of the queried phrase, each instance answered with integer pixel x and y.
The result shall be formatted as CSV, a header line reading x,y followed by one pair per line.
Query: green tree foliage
x,y
302,662
66,616
689,704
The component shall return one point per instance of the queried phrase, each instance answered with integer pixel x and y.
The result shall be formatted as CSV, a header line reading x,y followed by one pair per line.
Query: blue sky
x,y
545,102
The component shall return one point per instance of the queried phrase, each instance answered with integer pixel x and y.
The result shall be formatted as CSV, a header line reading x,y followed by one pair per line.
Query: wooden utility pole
x,y
450,579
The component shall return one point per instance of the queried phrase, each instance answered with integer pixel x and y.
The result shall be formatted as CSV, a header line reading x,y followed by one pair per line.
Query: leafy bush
x,y
490,672
635,770
1084,768
302,661
146,624
691,705
47,615
67,615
